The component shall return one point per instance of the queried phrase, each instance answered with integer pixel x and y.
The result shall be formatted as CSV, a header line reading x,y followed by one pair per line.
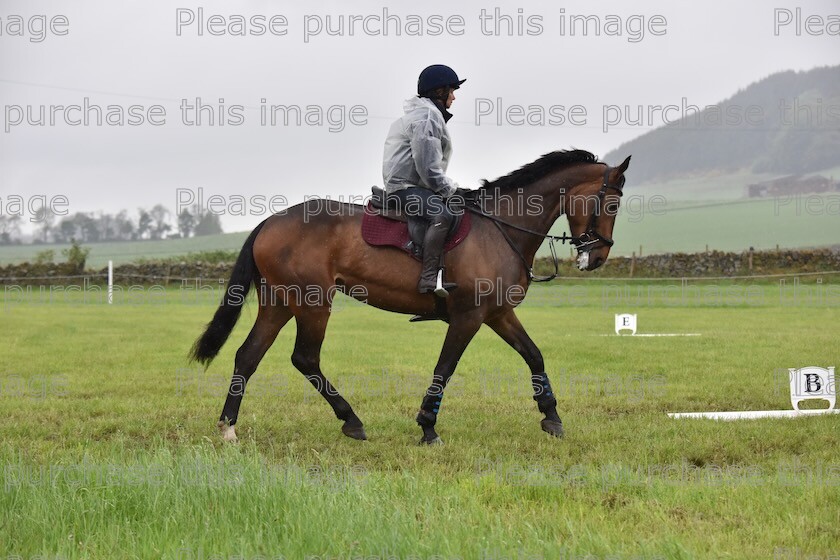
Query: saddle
x,y
388,226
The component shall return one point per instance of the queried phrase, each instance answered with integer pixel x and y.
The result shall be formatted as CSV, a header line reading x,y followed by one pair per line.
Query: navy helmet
x,y
435,76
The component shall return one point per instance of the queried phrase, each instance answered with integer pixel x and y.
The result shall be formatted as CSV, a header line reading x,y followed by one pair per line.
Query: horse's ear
x,y
624,165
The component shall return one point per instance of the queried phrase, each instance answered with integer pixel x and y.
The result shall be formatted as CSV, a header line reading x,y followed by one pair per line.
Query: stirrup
x,y
441,289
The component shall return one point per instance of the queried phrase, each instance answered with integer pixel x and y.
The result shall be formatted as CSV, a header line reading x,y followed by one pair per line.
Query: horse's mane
x,y
538,169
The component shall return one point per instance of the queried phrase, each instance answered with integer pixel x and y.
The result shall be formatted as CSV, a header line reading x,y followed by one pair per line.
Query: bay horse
x,y
316,248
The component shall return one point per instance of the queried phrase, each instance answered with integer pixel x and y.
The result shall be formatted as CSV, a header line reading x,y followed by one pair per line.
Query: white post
x,y
110,282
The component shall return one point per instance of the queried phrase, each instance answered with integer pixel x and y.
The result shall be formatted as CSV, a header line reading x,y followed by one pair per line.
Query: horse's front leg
x,y
511,330
462,328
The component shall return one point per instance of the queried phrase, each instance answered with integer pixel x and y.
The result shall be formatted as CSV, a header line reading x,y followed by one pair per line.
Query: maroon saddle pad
x,y
380,231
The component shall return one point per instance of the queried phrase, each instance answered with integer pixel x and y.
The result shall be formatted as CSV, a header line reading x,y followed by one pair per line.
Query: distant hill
x,y
794,128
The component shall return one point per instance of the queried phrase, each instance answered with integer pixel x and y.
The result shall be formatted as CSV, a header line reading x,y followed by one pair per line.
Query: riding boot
x,y
433,244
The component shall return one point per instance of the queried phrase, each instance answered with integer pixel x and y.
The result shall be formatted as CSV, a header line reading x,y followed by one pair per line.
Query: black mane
x,y
538,169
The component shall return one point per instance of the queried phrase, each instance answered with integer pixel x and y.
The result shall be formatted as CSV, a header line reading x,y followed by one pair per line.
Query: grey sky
x,y
128,53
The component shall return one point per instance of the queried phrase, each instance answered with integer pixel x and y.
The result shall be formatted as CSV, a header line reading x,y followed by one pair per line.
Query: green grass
x,y
109,447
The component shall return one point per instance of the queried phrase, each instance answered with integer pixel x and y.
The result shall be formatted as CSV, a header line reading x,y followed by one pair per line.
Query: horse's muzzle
x,y
585,261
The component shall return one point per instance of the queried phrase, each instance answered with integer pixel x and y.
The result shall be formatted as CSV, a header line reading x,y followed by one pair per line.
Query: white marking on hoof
x,y
228,432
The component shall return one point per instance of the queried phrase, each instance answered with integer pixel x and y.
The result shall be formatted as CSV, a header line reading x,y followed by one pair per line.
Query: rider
x,y
417,153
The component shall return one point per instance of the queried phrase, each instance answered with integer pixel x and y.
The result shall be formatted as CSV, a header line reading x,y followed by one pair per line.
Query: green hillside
x,y
787,123
128,251
709,186
726,225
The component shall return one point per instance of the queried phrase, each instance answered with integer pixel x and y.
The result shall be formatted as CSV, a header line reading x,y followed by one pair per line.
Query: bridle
x,y
584,243
588,240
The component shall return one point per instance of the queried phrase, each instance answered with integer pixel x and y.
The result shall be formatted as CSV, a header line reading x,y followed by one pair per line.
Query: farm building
x,y
792,184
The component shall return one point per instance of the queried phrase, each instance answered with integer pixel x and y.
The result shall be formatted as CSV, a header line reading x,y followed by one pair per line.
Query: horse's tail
x,y
216,334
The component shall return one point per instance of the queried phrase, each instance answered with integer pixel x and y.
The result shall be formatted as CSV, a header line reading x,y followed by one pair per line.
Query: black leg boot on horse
x,y
433,244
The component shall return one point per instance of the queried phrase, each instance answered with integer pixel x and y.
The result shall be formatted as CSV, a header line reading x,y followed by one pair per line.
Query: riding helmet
x,y
435,76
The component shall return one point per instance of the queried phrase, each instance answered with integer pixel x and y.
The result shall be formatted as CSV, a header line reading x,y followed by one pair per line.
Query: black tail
x,y
216,334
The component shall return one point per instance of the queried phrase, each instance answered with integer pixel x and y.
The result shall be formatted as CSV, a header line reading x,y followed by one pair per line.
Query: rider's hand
x,y
449,193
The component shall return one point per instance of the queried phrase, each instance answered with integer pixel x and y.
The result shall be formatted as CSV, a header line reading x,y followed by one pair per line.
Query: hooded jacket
x,y
417,150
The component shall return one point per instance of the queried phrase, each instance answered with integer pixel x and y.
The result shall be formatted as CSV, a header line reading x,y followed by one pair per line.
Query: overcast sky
x,y
129,53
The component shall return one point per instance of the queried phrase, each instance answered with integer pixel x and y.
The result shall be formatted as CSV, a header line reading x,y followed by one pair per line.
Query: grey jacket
x,y
417,150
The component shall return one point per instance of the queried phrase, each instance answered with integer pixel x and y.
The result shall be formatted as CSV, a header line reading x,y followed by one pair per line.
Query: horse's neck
x,y
535,208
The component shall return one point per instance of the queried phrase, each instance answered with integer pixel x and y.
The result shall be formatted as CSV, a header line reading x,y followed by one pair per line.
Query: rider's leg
x,y
440,219
420,201
433,244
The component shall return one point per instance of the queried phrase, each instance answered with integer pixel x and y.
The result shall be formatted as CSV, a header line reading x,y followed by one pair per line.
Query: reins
x,y
498,222
582,242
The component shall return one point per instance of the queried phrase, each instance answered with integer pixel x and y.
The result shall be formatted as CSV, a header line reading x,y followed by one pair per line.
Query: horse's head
x,y
591,208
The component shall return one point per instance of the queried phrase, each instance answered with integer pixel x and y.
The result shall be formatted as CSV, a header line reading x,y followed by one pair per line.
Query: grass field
x,y
109,447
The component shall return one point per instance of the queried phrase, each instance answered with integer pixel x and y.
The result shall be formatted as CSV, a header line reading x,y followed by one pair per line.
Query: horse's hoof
x,y
552,427
435,441
228,432
355,432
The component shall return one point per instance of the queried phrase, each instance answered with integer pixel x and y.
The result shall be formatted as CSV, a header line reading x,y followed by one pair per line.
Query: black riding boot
x,y
433,244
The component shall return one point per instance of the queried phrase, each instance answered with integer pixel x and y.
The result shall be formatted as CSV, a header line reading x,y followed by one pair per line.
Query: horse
x,y
297,259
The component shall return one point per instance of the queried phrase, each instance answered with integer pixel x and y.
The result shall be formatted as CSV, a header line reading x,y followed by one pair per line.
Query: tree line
x,y
157,222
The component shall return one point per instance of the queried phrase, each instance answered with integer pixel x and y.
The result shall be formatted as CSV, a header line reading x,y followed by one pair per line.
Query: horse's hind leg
x,y
270,319
311,326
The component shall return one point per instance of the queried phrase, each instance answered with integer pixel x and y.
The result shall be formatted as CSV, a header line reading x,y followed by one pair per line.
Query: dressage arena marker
x,y
628,321
651,334
806,383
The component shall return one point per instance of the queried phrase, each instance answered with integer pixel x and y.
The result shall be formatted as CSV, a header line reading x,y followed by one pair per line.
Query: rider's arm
x,y
427,153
